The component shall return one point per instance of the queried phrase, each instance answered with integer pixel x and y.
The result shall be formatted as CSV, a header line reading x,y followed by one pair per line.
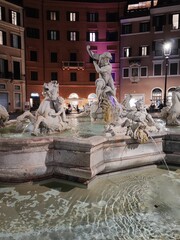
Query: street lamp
x,y
167,52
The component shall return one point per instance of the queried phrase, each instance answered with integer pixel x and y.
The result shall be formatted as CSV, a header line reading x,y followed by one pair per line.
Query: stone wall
x,y
78,159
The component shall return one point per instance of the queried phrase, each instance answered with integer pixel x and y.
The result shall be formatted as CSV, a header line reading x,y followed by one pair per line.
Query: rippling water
x,y
135,206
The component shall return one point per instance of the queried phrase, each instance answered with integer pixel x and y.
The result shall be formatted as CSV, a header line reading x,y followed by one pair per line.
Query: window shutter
x,y
57,16
87,36
58,35
4,38
48,15
170,18
18,19
153,46
10,17
148,50
77,36
19,42
3,13
68,35
140,51
77,14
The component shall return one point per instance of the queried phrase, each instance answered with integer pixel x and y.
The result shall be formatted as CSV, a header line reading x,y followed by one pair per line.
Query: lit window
x,y
53,35
14,17
72,36
127,52
53,16
72,16
92,37
175,21
144,51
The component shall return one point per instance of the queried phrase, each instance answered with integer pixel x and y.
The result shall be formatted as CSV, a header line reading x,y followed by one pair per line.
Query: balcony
x,y
68,65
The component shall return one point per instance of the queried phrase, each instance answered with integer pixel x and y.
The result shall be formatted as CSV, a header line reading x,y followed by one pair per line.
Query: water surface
x,y
133,206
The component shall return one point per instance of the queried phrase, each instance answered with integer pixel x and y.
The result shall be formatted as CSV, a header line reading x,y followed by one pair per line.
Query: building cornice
x,y
136,19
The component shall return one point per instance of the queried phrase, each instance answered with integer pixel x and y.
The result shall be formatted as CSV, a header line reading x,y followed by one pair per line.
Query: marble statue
x,y
50,116
172,113
4,116
137,122
107,106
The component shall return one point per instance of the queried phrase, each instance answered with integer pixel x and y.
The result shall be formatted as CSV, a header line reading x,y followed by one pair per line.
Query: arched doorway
x,y
92,97
156,97
169,96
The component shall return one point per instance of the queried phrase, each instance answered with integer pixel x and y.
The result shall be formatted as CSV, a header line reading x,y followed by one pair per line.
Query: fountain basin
x,y
77,159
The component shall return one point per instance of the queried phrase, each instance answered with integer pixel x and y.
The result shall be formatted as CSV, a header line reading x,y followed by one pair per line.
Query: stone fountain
x,y
126,143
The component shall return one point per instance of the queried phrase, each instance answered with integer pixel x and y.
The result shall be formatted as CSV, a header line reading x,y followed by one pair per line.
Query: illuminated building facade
x,y
146,26
57,33
12,57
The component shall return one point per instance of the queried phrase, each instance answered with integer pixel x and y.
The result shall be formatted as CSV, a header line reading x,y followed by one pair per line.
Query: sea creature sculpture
x,y
50,116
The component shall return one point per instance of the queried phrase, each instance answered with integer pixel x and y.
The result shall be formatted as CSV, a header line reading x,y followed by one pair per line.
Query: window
x,y
72,16
33,33
157,48
17,100
175,47
33,56
2,86
127,29
17,87
92,77
73,36
16,70
158,22
143,71
92,17
4,68
54,76
14,18
92,36
111,36
173,68
144,27
157,69
53,15
127,52
2,13
112,17
32,12
2,38
125,72
144,51
34,75
73,56
53,35
53,57
134,72
175,21
73,77
15,41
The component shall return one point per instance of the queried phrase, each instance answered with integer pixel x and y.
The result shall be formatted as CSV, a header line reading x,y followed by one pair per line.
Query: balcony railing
x,y
66,65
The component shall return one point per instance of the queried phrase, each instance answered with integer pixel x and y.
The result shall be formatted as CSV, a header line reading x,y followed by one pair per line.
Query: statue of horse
x,y
50,116
174,111
4,116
